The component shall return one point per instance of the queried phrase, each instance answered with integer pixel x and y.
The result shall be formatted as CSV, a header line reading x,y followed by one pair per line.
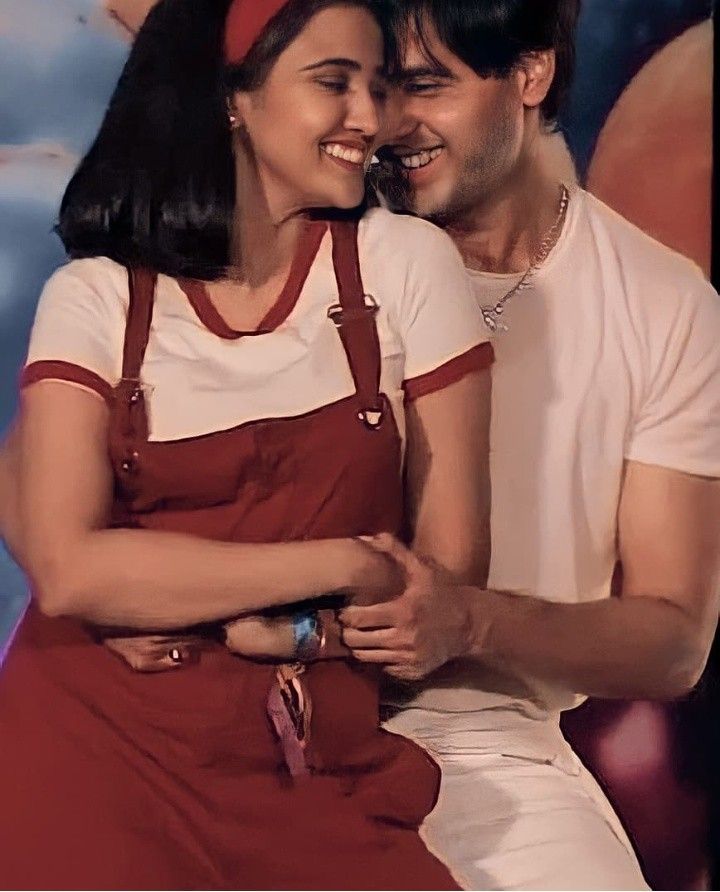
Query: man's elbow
x,y
685,667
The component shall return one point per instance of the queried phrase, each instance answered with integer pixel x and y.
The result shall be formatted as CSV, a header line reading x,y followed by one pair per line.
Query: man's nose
x,y
401,122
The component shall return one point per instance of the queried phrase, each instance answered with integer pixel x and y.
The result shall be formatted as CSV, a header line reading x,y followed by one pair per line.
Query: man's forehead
x,y
424,53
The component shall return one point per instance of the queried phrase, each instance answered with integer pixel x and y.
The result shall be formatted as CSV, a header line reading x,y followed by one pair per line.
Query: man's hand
x,y
417,633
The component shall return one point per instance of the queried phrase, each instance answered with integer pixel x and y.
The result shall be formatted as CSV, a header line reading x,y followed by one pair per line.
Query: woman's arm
x,y
448,477
9,470
141,579
449,502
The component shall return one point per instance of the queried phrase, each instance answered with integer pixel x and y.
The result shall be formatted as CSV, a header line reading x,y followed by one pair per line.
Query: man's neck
x,y
504,232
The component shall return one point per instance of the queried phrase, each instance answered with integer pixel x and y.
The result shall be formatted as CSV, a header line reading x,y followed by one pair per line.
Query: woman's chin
x,y
341,200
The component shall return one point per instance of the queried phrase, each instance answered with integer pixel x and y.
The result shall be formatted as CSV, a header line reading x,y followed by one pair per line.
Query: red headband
x,y
245,23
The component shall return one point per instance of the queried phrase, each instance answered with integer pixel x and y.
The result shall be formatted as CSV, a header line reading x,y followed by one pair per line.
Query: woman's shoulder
x,y
99,274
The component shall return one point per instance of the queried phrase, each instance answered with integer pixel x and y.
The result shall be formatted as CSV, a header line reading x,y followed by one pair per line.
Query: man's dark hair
x,y
157,187
493,36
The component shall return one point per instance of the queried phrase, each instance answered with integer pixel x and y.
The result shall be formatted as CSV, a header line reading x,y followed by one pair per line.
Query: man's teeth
x,y
335,150
422,159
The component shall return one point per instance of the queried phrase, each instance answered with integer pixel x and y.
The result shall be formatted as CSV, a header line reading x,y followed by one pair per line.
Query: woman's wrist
x,y
351,563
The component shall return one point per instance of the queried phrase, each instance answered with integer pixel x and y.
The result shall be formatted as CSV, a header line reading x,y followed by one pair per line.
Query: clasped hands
x,y
409,629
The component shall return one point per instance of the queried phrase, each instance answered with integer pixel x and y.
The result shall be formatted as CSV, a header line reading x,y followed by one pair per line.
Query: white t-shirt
x,y
201,378
612,355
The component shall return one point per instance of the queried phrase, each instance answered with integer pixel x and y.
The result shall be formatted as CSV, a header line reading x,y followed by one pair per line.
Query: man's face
x,y
458,136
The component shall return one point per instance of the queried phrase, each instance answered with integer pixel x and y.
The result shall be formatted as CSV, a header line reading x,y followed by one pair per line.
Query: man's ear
x,y
538,70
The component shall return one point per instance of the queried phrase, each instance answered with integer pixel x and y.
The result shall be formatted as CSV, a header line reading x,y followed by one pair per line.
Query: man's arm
x,y
651,642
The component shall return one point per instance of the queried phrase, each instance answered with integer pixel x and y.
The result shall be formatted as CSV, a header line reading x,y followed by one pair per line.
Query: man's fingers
x,y
403,673
392,547
376,616
377,639
381,657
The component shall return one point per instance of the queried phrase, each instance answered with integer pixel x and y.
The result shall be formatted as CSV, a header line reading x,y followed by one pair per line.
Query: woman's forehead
x,y
348,33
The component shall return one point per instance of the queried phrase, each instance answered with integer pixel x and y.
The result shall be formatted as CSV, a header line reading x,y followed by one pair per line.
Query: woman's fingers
x,y
154,654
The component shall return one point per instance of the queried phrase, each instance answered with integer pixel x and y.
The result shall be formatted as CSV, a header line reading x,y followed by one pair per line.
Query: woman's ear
x,y
235,119
239,105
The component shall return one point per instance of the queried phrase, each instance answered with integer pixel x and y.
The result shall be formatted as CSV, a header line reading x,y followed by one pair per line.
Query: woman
x,y
195,449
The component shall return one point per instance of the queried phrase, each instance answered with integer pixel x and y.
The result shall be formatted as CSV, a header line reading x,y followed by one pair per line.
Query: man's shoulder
x,y
402,235
645,265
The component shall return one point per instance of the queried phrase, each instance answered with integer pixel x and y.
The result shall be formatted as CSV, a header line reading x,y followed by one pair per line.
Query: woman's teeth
x,y
421,159
335,150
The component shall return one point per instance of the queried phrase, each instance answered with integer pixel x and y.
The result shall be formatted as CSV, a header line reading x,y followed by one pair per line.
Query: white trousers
x,y
531,821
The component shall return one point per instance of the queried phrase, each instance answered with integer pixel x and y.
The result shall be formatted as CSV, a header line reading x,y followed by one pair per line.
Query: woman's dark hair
x,y
493,36
157,187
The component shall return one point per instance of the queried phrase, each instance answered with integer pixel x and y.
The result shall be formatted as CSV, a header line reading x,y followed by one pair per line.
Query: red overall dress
x,y
114,779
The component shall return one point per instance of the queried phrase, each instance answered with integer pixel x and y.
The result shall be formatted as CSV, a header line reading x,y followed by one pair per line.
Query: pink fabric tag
x,y
285,730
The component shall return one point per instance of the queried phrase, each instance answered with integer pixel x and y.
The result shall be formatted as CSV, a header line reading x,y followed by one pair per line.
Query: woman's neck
x,y
265,235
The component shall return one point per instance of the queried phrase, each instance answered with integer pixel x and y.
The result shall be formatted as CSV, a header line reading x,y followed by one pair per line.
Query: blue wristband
x,y
306,635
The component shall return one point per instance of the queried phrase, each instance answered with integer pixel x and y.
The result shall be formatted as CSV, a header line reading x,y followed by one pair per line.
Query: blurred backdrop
x,y
639,128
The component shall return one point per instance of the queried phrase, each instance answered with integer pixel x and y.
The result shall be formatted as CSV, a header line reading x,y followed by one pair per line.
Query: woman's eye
x,y
335,85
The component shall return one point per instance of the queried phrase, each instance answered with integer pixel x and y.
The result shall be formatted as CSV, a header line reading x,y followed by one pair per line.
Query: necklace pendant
x,y
491,318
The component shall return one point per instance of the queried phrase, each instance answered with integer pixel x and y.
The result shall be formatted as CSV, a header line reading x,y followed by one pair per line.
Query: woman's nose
x,y
364,114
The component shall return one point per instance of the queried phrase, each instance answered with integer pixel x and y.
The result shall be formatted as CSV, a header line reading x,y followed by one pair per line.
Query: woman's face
x,y
312,128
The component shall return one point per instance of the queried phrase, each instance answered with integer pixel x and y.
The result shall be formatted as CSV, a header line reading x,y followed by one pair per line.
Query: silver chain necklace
x,y
492,315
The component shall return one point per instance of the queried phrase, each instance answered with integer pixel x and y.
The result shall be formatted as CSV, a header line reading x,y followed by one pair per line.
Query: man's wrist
x,y
479,613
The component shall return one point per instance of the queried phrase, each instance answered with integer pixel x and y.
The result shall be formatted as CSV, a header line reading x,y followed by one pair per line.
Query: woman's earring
x,y
233,121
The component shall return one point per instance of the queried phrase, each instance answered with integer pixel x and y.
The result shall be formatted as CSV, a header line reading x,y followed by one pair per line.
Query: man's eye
x,y
421,86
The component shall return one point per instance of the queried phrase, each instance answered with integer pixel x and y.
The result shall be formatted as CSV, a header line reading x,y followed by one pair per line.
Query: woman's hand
x,y
156,653
261,638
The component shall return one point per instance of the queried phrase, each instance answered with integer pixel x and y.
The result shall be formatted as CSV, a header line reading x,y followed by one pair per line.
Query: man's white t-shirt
x,y
612,355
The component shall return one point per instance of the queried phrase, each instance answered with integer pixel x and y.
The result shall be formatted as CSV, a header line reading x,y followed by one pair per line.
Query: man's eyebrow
x,y
352,64
421,71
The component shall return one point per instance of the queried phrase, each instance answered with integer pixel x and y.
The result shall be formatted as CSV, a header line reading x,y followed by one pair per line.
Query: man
x,y
605,453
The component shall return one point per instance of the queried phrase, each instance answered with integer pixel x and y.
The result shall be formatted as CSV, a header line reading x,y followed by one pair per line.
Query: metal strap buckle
x,y
372,418
339,315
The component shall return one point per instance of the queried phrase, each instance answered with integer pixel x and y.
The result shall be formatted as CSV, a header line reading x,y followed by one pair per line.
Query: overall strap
x,y
355,318
130,422
142,284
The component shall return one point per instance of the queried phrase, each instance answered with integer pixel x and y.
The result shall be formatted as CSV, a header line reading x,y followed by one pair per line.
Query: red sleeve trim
x,y
475,360
57,370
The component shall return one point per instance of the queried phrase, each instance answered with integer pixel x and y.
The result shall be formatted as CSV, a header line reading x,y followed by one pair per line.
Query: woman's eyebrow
x,y
340,63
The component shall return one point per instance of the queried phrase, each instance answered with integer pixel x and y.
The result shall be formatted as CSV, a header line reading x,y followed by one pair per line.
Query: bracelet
x,y
308,635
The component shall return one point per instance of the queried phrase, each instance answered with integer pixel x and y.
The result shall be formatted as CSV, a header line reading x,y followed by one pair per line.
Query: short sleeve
x,y
444,335
78,330
678,426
